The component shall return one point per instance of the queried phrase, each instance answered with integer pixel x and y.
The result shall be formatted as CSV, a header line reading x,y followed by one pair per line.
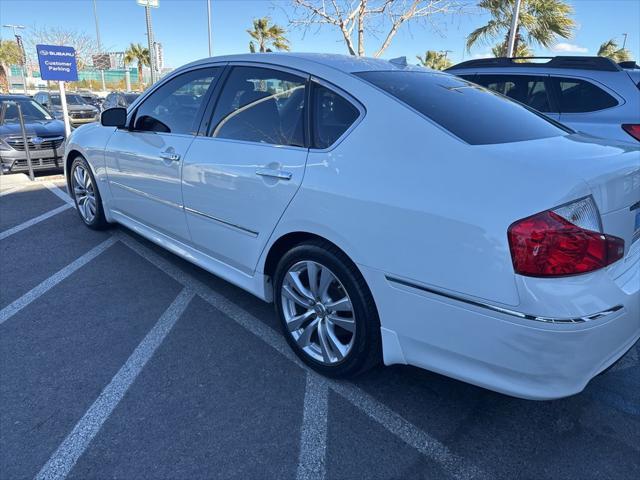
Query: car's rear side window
x,y
580,96
332,116
472,113
528,89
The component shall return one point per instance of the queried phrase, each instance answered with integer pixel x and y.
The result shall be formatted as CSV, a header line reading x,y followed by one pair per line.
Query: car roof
x,y
14,97
344,63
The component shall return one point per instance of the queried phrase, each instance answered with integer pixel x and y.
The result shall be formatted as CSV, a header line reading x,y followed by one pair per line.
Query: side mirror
x,y
114,117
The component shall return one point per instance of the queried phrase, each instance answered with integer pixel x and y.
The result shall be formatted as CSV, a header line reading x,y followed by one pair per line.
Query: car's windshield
x,y
130,97
31,111
72,99
472,113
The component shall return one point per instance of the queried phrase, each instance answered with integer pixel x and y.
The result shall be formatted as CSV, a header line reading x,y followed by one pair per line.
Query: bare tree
x,y
365,15
85,45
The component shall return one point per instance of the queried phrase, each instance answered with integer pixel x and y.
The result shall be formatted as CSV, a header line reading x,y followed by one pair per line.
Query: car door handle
x,y
170,156
270,172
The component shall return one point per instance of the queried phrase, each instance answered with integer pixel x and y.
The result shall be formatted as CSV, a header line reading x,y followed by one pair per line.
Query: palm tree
x,y
610,50
137,53
541,22
434,60
267,36
10,54
500,50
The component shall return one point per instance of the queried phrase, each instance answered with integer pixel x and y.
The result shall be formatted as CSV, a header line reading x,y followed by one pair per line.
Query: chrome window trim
x,y
507,311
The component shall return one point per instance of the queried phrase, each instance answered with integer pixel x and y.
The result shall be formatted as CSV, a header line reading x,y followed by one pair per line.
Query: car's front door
x,y
144,163
238,180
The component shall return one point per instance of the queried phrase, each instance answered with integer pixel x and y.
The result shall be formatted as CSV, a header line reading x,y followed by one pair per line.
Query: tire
x,y
86,196
321,336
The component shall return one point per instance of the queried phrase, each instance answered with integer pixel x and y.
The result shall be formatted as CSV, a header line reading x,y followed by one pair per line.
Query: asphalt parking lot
x,y
120,360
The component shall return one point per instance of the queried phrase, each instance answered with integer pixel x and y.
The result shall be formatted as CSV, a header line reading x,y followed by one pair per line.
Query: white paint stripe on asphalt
x,y
68,453
429,446
59,192
33,221
11,190
406,431
313,434
33,294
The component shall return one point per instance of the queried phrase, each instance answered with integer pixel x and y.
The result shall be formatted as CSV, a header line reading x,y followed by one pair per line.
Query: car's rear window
x,y
472,113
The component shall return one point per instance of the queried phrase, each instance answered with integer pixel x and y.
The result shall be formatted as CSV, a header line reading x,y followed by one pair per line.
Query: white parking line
x,y
11,190
59,192
39,290
68,453
33,221
429,446
313,434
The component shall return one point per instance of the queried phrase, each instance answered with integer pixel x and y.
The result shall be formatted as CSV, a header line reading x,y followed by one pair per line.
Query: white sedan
x,y
392,213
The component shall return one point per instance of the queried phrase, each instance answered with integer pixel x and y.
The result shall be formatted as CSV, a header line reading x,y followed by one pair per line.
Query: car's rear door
x,y
240,177
144,163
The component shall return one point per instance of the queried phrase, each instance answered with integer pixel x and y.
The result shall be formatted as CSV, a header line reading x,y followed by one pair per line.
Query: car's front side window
x,y
332,116
261,105
176,106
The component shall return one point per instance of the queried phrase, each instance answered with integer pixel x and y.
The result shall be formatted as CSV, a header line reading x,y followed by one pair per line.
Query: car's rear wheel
x,y
86,195
326,310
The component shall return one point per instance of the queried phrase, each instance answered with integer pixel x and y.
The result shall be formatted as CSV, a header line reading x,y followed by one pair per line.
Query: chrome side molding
x,y
506,311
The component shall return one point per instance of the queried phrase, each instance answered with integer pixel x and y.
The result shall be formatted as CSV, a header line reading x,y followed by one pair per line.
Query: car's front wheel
x,y
86,195
326,310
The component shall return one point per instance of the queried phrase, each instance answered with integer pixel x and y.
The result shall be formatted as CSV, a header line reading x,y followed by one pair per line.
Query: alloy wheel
x,y
84,193
318,312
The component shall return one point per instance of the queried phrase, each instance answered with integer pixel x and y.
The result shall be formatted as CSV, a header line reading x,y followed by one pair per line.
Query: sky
x,y
181,26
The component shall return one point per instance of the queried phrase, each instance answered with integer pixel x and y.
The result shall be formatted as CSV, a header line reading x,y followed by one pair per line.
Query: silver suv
x,y
594,95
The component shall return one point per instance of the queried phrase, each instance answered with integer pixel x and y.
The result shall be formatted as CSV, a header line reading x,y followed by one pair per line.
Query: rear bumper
x,y
522,357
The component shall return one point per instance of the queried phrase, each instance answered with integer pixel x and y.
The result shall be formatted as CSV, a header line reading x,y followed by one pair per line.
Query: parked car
x,y
45,136
91,98
120,99
390,212
80,112
589,94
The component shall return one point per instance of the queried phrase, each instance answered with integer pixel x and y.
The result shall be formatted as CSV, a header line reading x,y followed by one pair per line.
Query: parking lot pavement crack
x,y
14,307
424,443
74,445
313,434
33,221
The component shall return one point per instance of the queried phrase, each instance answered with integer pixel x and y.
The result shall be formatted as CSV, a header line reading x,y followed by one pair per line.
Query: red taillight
x,y
548,245
632,129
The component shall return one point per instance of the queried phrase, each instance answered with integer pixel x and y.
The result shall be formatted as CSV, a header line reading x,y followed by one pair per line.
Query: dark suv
x,y
45,136
594,95
80,112
119,99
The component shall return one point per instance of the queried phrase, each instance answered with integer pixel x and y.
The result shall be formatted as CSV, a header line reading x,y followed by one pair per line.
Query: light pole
x,y
152,55
514,27
209,25
624,42
22,54
95,15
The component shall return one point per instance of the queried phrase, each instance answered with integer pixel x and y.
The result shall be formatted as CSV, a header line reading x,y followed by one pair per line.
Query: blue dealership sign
x,y
57,63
